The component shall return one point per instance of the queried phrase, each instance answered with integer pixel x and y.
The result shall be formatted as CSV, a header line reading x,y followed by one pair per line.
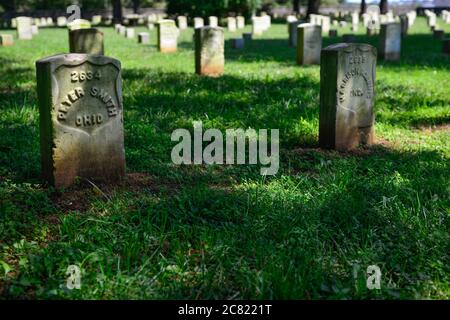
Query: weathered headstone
x,y
213,21
198,22
390,41
129,33
293,32
309,44
81,118
258,25
347,78
86,41
209,51
237,43
231,24
79,24
49,22
24,31
240,22
167,36
144,37
182,22
6,40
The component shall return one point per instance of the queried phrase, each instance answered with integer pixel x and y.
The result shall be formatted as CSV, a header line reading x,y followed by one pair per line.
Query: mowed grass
x,y
225,231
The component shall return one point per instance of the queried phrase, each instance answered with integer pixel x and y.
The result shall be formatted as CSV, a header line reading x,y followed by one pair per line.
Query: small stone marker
x,y
309,44
144,37
231,24
81,118
167,36
209,51
61,21
151,26
198,22
237,43
332,33
347,77
240,22
258,25
6,40
213,21
88,41
122,30
182,22
79,24
390,41
34,29
129,33
24,31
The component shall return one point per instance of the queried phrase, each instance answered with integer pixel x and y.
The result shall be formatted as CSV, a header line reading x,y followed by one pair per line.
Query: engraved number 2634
x,y
82,76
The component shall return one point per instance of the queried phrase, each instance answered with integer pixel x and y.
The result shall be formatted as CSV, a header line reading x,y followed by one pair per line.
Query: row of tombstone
x,y
81,107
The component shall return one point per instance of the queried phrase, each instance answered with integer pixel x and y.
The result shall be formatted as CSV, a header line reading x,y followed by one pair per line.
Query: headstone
x,y
231,24
61,21
404,24
129,33
213,21
198,22
49,22
81,118
144,37
309,44
34,29
332,33
42,22
347,78
86,41
150,26
209,51
167,36
325,23
343,23
237,43
446,46
122,30
390,41
293,32
24,31
6,40
182,22
247,36
14,23
240,22
258,25
291,18
79,24
348,38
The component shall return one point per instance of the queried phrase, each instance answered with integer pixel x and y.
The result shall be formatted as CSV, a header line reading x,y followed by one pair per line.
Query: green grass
x,y
225,231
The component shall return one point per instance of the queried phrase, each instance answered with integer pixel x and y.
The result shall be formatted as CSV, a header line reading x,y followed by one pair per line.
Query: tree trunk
x,y
313,7
296,6
383,6
117,11
136,5
363,7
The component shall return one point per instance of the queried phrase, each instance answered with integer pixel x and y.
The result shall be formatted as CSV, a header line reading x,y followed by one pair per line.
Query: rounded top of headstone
x,y
349,47
88,30
211,28
75,59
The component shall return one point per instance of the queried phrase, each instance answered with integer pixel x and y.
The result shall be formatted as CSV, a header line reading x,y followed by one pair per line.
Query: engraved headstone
x,y
390,41
6,40
79,24
240,22
24,31
209,51
86,41
81,118
347,78
213,21
198,22
231,24
144,37
309,44
182,22
167,36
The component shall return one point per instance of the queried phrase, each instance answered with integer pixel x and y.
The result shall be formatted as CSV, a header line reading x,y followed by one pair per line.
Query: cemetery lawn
x,y
203,232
